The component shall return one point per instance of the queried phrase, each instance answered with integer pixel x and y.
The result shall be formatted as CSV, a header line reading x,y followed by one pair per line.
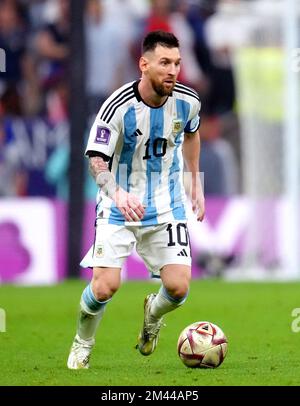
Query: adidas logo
x,y
183,253
137,132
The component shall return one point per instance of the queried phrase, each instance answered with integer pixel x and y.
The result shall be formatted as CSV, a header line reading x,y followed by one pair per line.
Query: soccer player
x,y
141,137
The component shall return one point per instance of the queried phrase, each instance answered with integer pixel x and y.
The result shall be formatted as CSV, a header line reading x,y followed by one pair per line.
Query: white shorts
x,y
157,245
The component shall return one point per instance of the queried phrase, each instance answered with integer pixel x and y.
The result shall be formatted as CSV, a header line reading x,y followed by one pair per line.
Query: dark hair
x,y
154,38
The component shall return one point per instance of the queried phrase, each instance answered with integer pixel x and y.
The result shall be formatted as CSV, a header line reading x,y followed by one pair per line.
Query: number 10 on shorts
x,y
178,233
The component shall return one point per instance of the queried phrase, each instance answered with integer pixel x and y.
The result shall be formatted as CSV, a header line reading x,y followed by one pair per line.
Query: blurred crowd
x,y
34,88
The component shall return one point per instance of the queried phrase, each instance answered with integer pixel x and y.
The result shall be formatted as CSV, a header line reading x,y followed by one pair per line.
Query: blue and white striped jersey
x,y
145,147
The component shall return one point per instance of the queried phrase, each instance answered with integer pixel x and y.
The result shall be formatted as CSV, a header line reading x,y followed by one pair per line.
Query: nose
x,y
173,69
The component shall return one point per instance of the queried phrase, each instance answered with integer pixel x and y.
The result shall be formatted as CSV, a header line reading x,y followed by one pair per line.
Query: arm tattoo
x,y
103,177
97,165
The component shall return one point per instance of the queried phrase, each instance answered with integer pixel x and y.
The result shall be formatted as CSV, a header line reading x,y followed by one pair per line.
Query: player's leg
x,y
113,244
93,302
174,290
172,243
94,299
171,295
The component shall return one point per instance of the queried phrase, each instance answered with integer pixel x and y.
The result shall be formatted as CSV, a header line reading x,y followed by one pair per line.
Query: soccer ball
x,y
202,345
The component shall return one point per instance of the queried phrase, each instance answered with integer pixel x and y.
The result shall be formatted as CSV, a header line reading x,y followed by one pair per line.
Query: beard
x,y
161,90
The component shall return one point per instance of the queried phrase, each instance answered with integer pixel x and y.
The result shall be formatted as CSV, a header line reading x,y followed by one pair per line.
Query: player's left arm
x,y
191,155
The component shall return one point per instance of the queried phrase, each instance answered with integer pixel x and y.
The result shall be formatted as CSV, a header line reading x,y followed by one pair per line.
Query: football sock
x,y
90,315
164,303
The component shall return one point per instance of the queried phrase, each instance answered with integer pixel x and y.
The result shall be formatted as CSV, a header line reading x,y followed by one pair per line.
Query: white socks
x,y
91,312
164,303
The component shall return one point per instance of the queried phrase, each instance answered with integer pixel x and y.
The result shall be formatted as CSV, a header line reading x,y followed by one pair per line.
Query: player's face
x,y
162,69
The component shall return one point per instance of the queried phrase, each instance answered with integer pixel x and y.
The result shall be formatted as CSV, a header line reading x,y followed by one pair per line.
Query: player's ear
x,y
143,64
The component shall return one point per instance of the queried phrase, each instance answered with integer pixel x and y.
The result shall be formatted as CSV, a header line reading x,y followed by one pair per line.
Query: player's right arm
x,y
102,142
128,204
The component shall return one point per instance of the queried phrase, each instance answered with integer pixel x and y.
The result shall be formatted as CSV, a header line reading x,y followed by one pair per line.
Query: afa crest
x,y
99,251
177,126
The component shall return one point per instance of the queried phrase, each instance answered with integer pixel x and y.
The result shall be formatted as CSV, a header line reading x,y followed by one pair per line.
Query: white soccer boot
x,y
148,337
80,353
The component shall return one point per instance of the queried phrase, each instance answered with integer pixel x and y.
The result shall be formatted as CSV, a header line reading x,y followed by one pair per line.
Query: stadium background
x,y
60,62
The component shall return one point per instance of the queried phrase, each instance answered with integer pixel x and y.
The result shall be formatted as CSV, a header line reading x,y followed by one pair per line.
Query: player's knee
x,y
104,290
178,292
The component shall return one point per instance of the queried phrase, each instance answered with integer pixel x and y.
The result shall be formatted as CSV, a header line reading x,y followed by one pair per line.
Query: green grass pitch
x,y
256,318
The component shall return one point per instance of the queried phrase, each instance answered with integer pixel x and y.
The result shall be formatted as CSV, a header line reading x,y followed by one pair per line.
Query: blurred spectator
x,y
159,17
41,12
171,16
129,17
210,162
19,80
191,73
197,14
56,173
12,178
35,12
225,30
103,35
13,37
127,14
52,45
10,101
56,170
217,160
27,147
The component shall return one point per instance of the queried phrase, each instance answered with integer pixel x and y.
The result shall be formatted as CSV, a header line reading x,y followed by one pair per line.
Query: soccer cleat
x,y
80,353
148,337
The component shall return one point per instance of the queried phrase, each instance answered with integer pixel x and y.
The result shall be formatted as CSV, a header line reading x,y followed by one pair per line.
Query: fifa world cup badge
x,y
99,251
177,126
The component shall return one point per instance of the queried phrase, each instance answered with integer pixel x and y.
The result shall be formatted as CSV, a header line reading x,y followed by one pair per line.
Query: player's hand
x,y
198,205
129,205
198,201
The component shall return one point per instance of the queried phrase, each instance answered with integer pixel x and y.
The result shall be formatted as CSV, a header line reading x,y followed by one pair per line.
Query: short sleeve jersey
x,y
144,146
